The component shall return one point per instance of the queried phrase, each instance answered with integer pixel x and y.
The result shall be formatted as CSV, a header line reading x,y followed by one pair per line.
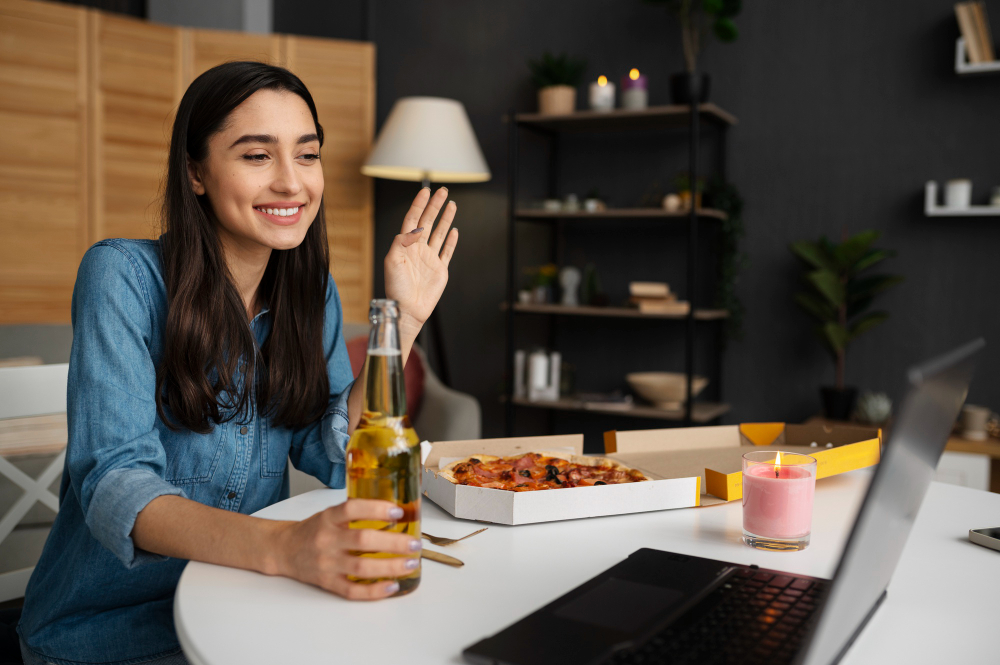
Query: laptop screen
x,y
936,393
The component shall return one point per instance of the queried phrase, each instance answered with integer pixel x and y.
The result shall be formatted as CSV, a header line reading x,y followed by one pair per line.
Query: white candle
x,y
602,94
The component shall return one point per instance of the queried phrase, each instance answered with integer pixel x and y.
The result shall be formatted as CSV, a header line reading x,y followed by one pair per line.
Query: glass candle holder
x,y
778,491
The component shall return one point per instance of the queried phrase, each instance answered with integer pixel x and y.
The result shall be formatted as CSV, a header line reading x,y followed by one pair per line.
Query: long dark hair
x,y
207,333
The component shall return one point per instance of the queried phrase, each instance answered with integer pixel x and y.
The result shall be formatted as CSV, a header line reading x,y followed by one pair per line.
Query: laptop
x,y
665,607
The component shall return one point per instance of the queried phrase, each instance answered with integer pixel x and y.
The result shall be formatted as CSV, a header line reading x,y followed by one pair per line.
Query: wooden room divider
x,y
86,116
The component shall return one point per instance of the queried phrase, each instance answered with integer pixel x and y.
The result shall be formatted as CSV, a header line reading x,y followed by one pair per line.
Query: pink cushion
x,y
413,374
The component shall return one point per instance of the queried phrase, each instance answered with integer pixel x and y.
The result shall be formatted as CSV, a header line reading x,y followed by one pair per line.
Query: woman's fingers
x,y
430,213
364,509
449,247
441,232
340,585
372,540
373,568
412,216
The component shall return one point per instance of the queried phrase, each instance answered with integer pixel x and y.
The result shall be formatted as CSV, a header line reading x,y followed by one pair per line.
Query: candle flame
x,y
602,81
634,74
777,464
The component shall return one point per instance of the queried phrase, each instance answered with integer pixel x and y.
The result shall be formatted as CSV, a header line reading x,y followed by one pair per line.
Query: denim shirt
x,y
94,597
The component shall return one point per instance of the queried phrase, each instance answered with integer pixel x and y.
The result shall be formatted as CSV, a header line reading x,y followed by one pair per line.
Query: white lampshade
x,y
427,138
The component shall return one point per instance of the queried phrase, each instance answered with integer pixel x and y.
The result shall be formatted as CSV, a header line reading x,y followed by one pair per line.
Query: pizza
x,y
539,471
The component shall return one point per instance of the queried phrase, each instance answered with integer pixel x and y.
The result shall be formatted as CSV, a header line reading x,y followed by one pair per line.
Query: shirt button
x,y
232,495
243,430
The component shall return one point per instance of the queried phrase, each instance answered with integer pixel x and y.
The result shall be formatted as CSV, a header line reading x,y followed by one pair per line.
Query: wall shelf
x,y
654,117
621,312
965,68
619,213
932,209
701,412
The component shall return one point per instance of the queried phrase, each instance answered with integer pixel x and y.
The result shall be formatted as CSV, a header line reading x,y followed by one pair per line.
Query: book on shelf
x,y
983,30
661,305
649,289
974,25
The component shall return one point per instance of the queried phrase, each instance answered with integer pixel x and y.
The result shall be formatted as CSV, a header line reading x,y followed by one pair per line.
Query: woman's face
x,y
262,174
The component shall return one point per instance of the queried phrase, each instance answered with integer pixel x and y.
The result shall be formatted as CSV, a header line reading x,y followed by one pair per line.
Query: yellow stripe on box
x,y
762,434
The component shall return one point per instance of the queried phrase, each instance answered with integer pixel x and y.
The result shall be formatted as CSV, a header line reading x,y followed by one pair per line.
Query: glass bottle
x,y
383,455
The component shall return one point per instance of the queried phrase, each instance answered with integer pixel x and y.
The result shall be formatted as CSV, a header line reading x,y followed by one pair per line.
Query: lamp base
x,y
775,544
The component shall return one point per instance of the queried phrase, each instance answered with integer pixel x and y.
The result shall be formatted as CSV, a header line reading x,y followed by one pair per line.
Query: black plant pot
x,y
837,403
680,90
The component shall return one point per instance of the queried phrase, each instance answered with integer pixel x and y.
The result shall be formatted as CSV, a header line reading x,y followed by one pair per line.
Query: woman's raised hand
x,y
318,550
416,267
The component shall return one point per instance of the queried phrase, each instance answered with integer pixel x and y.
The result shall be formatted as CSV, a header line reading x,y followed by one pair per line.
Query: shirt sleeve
x,y
114,457
319,449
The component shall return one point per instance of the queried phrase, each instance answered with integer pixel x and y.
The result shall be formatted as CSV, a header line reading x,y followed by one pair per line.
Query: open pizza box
x,y
714,454
682,463
505,507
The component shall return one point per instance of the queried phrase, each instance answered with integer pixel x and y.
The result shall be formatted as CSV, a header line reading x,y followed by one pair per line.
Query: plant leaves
x,y
851,251
731,7
829,285
816,306
725,30
871,258
857,306
867,322
711,6
812,253
867,287
835,335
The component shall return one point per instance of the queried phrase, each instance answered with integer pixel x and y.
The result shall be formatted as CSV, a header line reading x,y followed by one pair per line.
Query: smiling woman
x,y
200,358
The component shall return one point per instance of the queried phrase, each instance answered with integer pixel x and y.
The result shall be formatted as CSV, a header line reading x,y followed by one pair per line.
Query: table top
x,y
941,605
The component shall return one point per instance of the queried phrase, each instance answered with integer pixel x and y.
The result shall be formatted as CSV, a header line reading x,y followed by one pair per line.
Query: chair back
x,y
32,423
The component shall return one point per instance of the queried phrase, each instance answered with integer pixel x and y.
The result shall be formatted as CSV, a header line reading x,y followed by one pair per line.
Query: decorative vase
x,y
680,90
556,100
838,403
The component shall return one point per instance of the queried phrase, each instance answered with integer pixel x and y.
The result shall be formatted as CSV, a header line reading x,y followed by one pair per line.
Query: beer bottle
x,y
383,455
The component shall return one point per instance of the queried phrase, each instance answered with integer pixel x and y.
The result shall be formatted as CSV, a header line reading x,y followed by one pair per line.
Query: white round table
x,y
941,605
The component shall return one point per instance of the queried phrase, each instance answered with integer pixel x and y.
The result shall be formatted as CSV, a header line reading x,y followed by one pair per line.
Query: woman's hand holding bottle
x,y
320,550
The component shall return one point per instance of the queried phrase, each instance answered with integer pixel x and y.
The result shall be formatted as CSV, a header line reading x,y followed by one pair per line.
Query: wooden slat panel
x,y
340,76
214,47
43,152
137,67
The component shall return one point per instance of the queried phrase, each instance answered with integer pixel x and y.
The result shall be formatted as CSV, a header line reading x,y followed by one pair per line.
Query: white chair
x,y
32,422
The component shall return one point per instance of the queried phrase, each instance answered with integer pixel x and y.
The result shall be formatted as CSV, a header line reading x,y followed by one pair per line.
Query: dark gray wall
x,y
845,110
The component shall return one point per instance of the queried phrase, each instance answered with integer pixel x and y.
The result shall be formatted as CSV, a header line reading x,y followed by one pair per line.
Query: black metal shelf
x,y
654,118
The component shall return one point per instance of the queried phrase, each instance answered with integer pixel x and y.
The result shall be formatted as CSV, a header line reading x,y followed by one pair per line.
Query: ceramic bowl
x,y
666,389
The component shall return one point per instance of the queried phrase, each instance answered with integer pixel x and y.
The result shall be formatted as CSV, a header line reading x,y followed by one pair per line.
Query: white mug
x,y
958,194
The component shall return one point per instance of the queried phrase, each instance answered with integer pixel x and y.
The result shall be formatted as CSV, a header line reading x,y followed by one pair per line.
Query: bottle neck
x,y
385,391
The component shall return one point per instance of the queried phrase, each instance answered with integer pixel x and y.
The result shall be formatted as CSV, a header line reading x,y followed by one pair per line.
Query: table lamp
x,y
427,139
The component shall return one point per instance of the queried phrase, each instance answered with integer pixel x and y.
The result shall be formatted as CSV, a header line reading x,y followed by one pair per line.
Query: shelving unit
x,y
653,118
932,209
965,68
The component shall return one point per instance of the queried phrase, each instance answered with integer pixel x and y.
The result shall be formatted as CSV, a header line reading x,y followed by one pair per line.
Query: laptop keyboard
x,y
755,616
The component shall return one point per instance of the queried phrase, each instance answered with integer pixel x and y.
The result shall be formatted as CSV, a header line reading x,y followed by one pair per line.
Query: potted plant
x,y
683,184
556,78
838,294
697,19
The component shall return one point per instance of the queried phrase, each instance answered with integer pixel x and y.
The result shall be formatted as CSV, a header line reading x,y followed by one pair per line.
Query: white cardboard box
x,y
504,507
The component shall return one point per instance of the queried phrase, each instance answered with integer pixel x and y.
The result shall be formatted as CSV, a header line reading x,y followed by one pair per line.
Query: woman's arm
x,y
315,551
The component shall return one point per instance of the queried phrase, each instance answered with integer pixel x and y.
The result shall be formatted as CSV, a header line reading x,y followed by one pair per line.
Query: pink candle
x,y
778,497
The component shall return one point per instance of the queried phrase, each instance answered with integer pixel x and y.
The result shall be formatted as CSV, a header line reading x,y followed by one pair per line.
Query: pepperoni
x,y
485,473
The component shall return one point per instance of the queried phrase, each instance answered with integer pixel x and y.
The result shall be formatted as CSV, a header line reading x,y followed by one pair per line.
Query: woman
x,y
200,363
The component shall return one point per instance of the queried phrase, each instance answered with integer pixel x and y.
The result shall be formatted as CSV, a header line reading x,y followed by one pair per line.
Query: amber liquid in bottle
x,y
383,455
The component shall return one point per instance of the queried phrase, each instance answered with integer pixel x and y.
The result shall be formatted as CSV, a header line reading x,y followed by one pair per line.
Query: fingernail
x,y
415,545
395,513
411,564
444,188
416,230
391,587
426,187
453,203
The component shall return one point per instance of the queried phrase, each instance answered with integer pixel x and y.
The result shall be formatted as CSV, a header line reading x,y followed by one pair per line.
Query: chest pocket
x,y
193,459
274,445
